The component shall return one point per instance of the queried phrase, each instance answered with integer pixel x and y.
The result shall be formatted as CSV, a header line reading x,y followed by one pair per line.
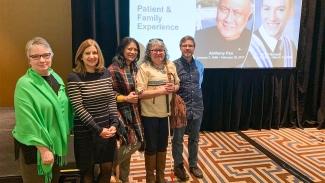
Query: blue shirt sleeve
x,y
200,68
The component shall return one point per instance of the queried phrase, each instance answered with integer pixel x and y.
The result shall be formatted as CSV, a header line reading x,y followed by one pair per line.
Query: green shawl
x,y
43,118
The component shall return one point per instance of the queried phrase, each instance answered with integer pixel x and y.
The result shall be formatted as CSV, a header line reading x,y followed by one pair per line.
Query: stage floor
x,y
247,156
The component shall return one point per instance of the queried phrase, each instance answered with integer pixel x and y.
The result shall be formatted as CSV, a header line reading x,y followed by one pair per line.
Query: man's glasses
x,y
225,12
38,57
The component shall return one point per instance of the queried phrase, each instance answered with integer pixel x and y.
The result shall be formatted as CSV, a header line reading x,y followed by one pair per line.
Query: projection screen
x,y
228,33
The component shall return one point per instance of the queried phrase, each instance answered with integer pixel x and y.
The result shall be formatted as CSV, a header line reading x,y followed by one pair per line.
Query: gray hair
x,y
252,5
37,41
151,43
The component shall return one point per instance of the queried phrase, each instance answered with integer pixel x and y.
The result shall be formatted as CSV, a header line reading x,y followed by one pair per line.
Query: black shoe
x,y
196,172
180,172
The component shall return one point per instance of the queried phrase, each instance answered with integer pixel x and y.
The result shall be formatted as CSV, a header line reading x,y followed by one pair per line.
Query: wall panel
x,y
20,20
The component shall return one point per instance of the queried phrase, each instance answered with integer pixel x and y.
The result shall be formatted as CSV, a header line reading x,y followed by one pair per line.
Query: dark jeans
x,y
193,126
155,134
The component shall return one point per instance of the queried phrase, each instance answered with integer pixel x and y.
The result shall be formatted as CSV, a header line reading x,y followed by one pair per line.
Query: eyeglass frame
x,y
38,57
158,51
225,12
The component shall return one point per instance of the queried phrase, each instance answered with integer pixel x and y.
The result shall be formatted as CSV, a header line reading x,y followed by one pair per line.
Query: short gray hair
x,y
37,41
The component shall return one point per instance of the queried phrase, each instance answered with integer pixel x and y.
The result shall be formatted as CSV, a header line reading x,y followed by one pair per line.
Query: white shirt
x,y
270,41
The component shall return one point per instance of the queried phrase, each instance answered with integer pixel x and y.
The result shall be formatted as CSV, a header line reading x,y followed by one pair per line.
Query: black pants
x,y
155,134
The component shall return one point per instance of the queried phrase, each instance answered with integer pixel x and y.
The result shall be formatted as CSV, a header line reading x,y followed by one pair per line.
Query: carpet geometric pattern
x,y
303,150
224,157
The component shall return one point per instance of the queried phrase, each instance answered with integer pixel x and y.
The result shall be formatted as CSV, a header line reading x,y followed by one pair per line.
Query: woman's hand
x,y
112,131
170,87
108,132
132,98
46,155
166,89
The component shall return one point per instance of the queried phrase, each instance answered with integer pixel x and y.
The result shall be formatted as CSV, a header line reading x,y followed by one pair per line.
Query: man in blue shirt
x,y
190,72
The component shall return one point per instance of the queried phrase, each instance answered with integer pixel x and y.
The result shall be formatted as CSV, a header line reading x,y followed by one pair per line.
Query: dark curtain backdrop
x,y
311,58
236,99
95,19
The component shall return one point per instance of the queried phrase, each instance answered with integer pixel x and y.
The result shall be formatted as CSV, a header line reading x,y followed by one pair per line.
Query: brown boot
x,y
150,162
161,163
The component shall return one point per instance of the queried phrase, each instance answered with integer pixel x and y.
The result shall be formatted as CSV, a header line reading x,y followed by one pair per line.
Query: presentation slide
x,y
228,33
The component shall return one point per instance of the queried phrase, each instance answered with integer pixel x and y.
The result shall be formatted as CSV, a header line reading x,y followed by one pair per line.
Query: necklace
x,y
160,68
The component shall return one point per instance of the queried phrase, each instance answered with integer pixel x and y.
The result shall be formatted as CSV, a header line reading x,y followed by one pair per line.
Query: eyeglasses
x,y
38,57
157,51
225,12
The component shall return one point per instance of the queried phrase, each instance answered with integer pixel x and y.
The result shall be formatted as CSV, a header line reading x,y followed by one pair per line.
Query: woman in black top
x,y
96,119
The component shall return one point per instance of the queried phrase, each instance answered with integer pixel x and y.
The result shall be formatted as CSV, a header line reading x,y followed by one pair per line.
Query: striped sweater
x,y
93,101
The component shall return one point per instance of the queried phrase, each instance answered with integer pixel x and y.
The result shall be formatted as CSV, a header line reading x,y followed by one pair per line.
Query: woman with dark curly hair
x,y
123,71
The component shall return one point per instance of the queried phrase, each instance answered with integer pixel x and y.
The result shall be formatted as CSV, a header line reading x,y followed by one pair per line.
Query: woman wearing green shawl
x,y
42,115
